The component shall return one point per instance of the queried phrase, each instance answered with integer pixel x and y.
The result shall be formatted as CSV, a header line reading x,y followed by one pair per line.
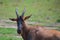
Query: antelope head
x,y
20,20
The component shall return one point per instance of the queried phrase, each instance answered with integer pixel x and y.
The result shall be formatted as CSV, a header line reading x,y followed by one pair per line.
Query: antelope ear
x,y
12,19
27,17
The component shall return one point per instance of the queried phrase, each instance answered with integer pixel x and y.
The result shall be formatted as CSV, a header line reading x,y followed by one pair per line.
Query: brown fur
x,y
39,33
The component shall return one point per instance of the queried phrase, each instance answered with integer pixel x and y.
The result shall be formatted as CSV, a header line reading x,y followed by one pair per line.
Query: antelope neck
x,y
24,28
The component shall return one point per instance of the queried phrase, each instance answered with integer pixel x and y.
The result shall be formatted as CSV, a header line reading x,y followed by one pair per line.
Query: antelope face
x,y
19,24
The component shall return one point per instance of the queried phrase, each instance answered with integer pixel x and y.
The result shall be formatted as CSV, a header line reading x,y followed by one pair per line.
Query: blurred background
x,y
44,13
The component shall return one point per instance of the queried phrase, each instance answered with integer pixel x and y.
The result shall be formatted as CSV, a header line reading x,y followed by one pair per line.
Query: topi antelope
x,y
34,33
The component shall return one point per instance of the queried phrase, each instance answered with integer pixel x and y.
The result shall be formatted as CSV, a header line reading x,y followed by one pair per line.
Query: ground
x,y
11,24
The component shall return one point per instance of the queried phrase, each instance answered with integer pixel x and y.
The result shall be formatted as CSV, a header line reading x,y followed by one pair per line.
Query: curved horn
x,y
23,12
17,12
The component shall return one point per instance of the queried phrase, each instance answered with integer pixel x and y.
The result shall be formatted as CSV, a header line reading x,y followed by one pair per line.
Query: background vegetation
x,y
43,10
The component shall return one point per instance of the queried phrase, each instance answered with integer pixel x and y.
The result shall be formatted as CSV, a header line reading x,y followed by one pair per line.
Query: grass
x,y
43,10
9,38
8,34
8,31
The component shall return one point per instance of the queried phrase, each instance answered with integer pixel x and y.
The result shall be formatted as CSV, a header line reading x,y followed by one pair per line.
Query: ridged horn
x,y
17,12
23,12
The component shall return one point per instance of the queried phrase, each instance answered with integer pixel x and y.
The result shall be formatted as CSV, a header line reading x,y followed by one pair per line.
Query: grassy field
x,y
9,34
43,10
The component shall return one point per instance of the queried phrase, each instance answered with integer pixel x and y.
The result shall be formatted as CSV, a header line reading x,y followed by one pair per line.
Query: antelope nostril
x,y
18,31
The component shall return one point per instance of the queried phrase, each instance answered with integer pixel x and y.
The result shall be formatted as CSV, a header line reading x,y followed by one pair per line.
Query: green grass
x,y
41,10
8,34
9,38
8,31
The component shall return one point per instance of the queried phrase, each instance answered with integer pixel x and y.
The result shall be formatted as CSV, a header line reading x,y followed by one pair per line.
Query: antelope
x,y
34,33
